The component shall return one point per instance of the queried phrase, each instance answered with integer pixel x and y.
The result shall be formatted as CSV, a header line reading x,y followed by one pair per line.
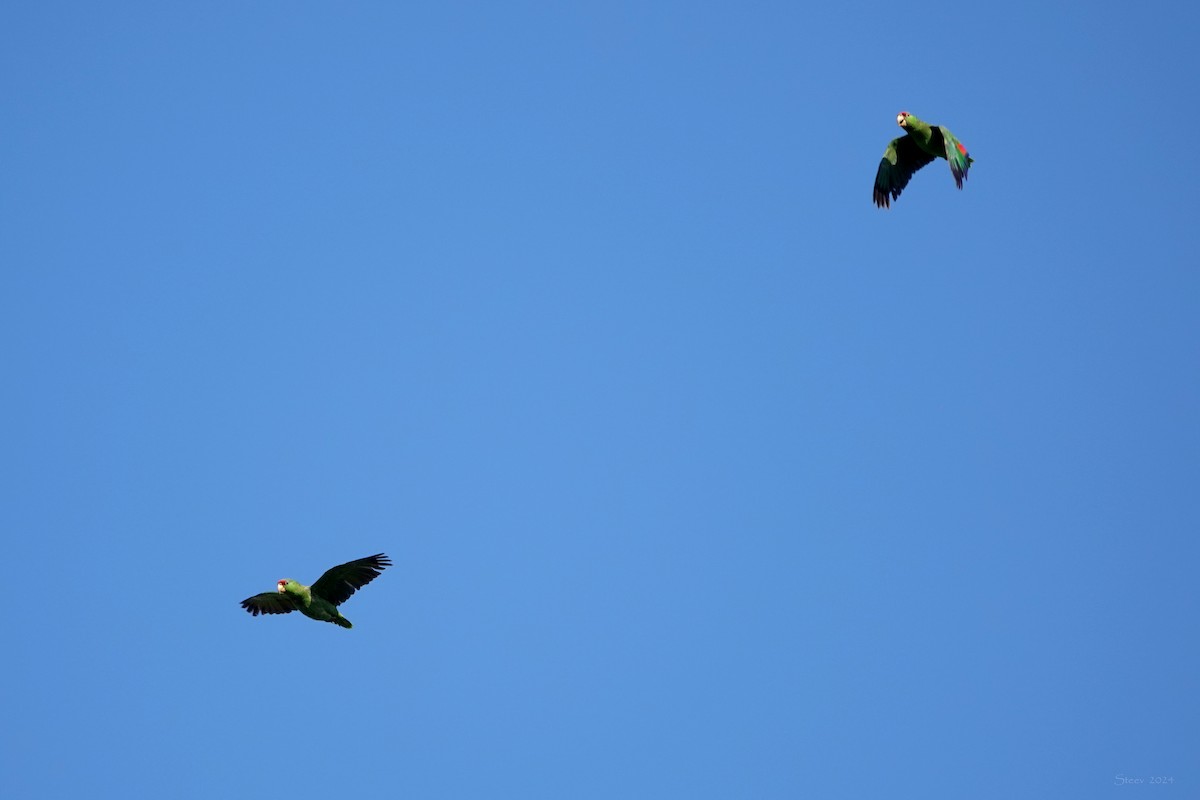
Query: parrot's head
x,y
902,119
282,587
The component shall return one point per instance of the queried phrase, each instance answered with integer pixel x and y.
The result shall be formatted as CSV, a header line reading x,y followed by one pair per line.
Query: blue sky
x,y
702,476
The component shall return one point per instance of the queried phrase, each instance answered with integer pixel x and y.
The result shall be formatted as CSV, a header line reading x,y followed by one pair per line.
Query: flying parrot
x,y
320,601
921,144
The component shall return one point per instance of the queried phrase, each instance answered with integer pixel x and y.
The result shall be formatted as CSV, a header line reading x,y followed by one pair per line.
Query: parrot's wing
x,y
337,584
957,155
269,603
901,159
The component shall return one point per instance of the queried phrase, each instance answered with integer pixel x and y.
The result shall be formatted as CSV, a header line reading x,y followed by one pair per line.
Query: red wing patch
x,y
960,147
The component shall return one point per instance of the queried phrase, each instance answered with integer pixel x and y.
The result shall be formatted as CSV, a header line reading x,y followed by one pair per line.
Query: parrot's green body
x,y
313,606
321,600
921,144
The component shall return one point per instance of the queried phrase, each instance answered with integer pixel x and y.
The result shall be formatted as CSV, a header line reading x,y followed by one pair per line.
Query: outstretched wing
x,y
339,583
901,159
269,603
957,155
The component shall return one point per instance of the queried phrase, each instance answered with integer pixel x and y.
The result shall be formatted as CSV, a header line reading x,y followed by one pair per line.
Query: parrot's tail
x,y
345,623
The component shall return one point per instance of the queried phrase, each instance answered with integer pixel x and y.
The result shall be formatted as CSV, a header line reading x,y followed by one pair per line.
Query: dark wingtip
x,y
380,559
883,199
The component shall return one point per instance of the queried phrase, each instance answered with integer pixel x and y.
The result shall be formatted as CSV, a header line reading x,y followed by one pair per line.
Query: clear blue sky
x,y
703,477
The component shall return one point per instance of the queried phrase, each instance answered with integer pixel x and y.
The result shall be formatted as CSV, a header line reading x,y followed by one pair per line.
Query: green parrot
x,y
904,156
320,601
